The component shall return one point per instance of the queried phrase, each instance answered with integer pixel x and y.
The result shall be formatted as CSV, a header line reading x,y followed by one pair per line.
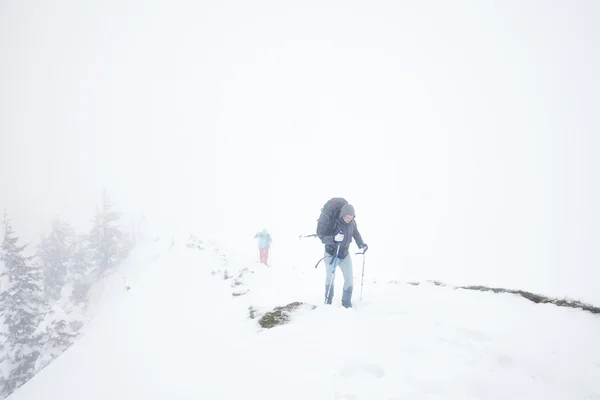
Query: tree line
x,y
41,287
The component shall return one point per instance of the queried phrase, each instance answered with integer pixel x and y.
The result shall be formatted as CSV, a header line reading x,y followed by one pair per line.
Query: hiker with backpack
x,y
336,228
264,242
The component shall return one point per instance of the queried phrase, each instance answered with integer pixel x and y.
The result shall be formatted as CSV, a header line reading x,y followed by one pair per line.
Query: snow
x,y
471,128
180,334
464,134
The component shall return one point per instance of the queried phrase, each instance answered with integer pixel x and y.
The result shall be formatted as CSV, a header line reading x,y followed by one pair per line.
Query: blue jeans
x,y
345,266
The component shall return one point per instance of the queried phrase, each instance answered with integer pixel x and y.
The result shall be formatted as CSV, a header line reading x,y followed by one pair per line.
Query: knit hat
x,y
347,209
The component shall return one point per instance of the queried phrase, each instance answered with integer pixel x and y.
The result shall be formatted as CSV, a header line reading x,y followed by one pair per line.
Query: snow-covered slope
x,y
183,331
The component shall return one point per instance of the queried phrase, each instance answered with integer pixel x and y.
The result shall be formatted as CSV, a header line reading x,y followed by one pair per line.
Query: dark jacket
x,y
350,231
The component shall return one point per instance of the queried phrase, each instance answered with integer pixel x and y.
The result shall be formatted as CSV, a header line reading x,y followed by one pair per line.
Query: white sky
x,y
465,134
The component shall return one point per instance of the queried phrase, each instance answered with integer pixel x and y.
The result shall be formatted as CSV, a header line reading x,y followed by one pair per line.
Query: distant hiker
x,y
338,216
264,242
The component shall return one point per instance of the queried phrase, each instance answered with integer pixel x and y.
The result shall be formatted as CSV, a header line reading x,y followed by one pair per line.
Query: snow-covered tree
x,y
81,269
20,309
81,261
55,335
55,255
109,244
24,371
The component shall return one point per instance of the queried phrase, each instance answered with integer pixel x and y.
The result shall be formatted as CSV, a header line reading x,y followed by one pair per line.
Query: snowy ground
x,y
180,333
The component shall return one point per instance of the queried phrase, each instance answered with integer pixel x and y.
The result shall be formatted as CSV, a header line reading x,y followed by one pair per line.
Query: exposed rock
x,y
281,315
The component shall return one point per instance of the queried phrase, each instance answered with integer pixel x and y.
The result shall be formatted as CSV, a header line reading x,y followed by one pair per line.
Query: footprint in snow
x,y
358,381
366,369
473,334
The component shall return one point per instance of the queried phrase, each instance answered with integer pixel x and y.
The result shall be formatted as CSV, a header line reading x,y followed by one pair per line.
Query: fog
x,y
465,134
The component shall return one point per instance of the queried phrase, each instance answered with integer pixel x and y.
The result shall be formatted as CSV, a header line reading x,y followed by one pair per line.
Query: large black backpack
x,y
329,214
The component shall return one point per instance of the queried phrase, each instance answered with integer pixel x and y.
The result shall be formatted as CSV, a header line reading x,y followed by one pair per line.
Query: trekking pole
x,y
362,278
318,262
333,271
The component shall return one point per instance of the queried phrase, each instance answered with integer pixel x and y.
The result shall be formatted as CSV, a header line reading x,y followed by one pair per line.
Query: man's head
x,y
347,213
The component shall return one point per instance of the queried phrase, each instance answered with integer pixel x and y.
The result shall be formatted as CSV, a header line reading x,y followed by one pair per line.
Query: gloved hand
x,y
364,246
339,237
